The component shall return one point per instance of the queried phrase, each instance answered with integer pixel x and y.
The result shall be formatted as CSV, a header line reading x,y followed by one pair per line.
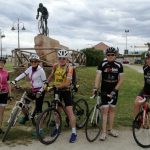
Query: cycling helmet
x,y
63,53
3,59
111,50
147,54
34,57
40,5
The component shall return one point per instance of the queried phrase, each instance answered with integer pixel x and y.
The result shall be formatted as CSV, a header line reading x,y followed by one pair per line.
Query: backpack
x,y
74,79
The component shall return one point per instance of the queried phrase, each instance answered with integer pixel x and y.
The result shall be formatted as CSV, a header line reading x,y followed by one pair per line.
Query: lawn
x,y
133,82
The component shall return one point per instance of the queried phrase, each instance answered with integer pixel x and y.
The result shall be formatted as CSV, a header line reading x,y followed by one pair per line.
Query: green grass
x,y
133,82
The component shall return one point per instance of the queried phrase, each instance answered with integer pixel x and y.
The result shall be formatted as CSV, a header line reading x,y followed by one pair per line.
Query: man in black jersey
x,y
44,13
146,89
109,78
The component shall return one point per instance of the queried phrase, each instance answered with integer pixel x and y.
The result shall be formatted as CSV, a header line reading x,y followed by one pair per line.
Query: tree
x,y
93,57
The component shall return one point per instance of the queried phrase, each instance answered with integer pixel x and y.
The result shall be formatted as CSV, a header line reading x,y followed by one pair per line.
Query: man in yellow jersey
x,y
62,78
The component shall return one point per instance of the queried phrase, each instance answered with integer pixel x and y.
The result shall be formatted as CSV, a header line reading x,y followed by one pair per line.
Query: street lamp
x,y
1,36
18,29
126,31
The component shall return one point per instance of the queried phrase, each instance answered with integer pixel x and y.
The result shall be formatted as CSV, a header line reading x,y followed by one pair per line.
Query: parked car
x,y
125,62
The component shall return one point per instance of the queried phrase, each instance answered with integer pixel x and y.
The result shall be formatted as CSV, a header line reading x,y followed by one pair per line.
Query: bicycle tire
x,y
41,26
141,132
10,124
93,127
48,121
81,110
46,104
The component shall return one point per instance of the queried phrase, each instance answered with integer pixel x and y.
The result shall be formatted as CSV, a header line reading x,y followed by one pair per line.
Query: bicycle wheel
x,y
93,124
80,109
41,26
11,123
48,121
141,132
46,104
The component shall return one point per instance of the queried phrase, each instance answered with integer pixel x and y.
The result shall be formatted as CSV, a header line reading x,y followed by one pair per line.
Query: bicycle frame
x,y
21,104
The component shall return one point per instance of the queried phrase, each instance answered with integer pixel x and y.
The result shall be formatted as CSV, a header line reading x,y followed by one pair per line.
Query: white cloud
x,y
77,23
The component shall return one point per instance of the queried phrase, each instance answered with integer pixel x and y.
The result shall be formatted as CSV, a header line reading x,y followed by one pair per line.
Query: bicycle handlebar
x,y
15,84
108,95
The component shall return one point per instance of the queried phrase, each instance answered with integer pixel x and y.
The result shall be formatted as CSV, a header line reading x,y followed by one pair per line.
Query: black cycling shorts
x,y
105,99
66,97
3,98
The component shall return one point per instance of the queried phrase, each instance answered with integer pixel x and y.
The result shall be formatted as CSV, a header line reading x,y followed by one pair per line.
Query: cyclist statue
x,y
109,78
146,89
62,76
44,14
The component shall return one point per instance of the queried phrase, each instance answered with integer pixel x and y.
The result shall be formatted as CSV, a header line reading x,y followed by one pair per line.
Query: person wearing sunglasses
x,y
37,78
5,90
109,78
61,75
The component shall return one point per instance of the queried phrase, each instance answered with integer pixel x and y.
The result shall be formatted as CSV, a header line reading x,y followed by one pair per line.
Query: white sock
x,y
74,130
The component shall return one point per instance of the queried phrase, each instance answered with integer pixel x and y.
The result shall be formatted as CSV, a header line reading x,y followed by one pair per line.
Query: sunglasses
x,y
33,61
62,58
110,54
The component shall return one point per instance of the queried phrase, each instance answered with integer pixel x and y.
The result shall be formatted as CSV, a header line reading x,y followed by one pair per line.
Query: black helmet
x,y
40,5
147,54
3,59
111,50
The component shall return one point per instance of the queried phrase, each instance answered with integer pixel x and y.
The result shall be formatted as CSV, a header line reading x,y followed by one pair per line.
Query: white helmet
x,y
34,57
63,53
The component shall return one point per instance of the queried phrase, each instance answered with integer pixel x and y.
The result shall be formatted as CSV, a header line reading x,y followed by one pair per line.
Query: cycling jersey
x,y
37,78
146,70
4,77
110,72
62,73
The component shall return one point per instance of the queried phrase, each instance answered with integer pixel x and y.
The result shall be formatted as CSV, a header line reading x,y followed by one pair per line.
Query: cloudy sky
x,y
78,23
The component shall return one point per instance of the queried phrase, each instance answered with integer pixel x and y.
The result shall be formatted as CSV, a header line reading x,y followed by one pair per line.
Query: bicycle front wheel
x,y
80,109
11,123
49,122
141,130
41,26
93,124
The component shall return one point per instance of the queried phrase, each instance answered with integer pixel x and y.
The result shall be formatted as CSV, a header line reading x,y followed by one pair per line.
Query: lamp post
x,y
18,29
1,36
126,31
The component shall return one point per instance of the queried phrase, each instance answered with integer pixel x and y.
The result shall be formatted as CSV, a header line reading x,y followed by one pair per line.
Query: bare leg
x,y
2,109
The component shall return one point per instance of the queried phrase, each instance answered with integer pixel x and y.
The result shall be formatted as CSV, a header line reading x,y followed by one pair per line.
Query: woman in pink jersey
x,y
5,90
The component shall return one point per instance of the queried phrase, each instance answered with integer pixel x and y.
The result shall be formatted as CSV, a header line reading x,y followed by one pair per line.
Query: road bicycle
x,y
94,121
141,124
43,29
27,103
51,118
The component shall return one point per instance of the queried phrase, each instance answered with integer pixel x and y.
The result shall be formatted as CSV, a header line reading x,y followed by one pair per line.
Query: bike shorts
x,y
105,100
142,93
66,97
3,99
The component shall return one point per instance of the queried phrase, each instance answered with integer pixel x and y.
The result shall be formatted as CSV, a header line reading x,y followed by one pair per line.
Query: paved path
x,y
124,142
135,67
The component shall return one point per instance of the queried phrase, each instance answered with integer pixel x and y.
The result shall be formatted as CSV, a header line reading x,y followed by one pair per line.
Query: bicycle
x,y
51,117
94,121
141,124
24,102
43,29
